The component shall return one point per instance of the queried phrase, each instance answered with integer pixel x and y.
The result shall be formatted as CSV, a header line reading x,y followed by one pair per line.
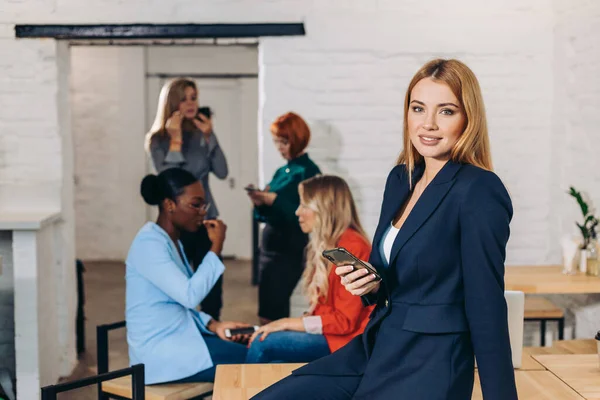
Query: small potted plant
x,y
588,228
588,232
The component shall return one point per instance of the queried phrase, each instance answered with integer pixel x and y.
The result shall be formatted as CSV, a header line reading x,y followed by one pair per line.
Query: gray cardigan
x,y
197,156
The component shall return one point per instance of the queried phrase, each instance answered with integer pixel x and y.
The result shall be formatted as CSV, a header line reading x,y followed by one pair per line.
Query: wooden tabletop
x,y
535,385
579,371
242,381
529,363
578,346
534,382
548,279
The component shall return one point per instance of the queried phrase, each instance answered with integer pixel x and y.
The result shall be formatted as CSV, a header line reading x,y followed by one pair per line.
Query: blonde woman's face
x,y
306,217
188,107
435,119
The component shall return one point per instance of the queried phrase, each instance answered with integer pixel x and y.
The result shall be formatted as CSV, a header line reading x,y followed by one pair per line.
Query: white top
x,y
388,241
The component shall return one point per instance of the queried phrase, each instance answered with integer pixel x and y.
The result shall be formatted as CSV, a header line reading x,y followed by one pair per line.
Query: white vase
x,y
582,261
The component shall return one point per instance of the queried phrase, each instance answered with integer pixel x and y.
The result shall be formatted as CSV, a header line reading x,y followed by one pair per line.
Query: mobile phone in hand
x,y
341,257
240,331
251,188
205,111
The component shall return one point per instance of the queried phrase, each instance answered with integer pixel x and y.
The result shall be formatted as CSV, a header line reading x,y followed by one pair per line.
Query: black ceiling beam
x,y
159,31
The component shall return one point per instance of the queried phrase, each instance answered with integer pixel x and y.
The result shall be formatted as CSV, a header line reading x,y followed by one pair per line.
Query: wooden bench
x,y
178,391
543,310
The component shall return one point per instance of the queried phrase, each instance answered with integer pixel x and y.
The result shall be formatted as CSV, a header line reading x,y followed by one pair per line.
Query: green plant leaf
x,y
582,204
584,232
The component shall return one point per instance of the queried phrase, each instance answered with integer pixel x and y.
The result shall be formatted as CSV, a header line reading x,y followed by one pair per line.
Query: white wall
x,y
108,113
347,76
575,159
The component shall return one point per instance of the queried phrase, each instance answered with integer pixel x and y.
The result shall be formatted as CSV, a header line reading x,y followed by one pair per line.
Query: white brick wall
x,y
535,59
108,103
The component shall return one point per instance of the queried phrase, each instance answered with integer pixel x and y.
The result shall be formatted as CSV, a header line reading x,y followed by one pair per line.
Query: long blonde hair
x,y
171,95
473,146
335,212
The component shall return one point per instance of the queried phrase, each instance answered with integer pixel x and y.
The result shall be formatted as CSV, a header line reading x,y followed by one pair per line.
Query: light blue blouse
x,y
164,330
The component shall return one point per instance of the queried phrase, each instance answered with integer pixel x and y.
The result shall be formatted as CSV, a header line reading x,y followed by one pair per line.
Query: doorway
x,y
114,103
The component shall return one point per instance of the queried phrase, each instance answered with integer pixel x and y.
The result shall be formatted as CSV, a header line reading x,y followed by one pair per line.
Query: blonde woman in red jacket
x,y
327,212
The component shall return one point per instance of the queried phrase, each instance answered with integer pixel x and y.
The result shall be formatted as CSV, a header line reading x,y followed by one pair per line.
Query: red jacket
x,y
343,315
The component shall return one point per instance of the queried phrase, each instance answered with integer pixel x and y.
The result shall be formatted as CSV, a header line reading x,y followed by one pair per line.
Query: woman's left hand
x,y
260,198
265,330
203,124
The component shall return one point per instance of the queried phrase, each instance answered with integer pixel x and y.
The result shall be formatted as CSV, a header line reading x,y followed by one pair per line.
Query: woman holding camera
x,y
165,332
182,137
328,214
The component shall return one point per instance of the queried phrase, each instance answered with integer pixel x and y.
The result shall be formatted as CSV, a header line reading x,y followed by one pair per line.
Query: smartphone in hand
x,y
341,257
251,188
205,111
240,331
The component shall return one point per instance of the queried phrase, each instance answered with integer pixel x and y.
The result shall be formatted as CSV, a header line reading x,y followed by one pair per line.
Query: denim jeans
x,y
288,347
221,352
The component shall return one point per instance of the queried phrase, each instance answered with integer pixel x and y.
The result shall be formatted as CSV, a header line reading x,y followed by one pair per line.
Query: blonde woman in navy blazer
x,y
440,247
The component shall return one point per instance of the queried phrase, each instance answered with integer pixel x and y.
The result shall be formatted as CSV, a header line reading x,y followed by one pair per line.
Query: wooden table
x,y
580,371
548,280
529,363
240,382
534,381
578,346
535,385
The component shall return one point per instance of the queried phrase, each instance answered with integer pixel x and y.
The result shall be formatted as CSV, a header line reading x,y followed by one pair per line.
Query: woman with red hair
x,y
283,242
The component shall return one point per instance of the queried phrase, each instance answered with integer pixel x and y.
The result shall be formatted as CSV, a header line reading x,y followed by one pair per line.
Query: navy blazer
x,y
445,277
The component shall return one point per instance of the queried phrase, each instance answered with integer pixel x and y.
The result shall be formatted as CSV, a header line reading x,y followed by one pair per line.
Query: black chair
x,y
119,389
80,320
137,383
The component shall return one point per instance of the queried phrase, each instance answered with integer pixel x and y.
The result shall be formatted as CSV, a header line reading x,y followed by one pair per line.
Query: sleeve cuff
x,y
212,142
369,299
175,157
313,324
204,320
214,261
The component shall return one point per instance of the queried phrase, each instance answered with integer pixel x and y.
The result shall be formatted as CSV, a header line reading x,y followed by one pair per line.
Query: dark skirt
x,y
281,263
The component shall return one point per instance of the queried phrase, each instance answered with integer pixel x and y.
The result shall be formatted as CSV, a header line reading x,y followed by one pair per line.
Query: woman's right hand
x,y
216,233
359,282
173,126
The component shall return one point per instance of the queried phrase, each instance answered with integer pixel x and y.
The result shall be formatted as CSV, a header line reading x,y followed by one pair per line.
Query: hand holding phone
x,y
250,188
342,257
206,112
240,331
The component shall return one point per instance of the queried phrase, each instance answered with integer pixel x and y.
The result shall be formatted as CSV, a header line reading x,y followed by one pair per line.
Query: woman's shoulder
x,y
475,178
306,166
482,188
354,242
149,236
